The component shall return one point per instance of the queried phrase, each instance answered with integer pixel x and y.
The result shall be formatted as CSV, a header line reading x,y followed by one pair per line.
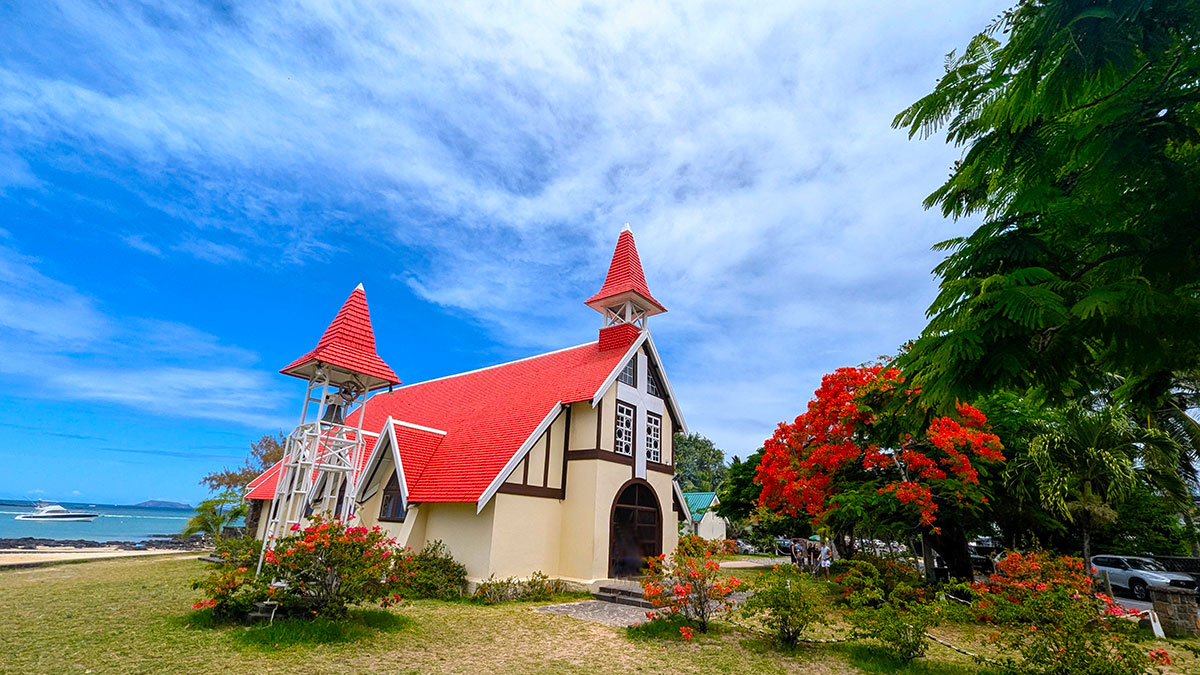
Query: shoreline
x,y
25,558
34,551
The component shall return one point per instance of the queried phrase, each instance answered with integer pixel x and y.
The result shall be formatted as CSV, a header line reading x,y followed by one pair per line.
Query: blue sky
x,y
188,191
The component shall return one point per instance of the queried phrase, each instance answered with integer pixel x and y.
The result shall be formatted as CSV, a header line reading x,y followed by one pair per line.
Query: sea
x,y
115,523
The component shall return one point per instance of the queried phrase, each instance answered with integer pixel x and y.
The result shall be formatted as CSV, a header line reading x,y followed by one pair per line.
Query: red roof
x,y
417,447
625,274
349,343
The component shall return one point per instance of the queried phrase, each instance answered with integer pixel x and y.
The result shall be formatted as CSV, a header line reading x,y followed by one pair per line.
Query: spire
x,y
624,297
349,346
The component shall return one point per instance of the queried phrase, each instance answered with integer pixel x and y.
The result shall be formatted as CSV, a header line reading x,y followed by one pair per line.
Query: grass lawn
x,y
134,616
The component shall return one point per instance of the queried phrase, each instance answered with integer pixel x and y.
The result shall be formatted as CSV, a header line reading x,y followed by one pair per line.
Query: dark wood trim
x,y
566,447
546,458
612,516
661,468
531,491
525,471
599,421
599,453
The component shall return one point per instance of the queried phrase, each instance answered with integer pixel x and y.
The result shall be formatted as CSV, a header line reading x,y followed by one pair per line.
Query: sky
x,y
190,190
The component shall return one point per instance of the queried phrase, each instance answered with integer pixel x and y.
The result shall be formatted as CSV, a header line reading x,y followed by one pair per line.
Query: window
x,y
392,508
653,437
624,444
652,386
629,373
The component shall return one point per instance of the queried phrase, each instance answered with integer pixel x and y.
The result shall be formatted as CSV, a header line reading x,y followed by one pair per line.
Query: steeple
x,y
624,298
347,349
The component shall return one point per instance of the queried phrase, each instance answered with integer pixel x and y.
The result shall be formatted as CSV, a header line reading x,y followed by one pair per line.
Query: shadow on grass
x,y
871,659
360,624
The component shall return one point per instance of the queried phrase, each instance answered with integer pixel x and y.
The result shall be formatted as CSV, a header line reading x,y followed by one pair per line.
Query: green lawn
x,y
134,616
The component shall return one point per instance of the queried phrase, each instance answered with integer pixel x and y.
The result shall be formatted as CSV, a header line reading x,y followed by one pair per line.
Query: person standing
x,y
825,559
795,551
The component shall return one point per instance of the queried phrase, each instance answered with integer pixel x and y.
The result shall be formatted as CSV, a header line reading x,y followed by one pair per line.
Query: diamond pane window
x,y
653,437
625,417
652,386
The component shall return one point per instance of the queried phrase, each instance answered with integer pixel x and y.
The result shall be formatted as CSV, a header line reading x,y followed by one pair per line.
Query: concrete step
x,y
621,596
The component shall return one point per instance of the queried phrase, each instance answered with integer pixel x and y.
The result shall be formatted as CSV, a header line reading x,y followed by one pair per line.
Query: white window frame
x,y
626,422
630,369
653,438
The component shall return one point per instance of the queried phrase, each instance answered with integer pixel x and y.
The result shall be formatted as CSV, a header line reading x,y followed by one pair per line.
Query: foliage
x,y
1146,524
866,451
231,592
1081,128
214,515
696,547
238,551
687,586
327,566
699,463
538,587
1053,618
264,453
1090,461
436,574
738,495
868,579
786,601
897,625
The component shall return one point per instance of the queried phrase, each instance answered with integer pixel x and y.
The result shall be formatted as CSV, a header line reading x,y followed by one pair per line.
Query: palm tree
x,y
214,515
1092,459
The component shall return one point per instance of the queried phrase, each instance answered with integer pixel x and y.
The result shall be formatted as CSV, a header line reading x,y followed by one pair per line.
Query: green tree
x,y
1092,460
214,515
264,453
699,463
1080,121
738,496
1146,523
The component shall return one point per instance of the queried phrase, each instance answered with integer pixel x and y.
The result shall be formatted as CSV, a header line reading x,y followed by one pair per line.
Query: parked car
x,y
981,564
744,546
783,546
1138,574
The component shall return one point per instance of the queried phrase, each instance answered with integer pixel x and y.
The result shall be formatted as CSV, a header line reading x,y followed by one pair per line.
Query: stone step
x,y
621,596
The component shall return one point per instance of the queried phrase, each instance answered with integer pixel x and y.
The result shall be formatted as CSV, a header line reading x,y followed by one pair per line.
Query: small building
x,y
560,463
703,517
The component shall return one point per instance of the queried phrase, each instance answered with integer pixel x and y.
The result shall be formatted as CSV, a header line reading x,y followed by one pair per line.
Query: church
x,y
560,463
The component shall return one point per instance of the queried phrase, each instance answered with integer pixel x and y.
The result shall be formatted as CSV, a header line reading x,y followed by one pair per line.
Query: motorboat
x,y
46,511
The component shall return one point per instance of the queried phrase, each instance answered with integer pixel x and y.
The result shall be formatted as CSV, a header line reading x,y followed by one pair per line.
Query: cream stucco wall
x,y
711,526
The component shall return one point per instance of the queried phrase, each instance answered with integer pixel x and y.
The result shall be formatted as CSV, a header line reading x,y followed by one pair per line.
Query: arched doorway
x,y
636,531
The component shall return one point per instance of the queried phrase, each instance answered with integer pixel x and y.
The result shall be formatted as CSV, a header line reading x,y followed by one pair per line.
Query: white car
x,y
1139,574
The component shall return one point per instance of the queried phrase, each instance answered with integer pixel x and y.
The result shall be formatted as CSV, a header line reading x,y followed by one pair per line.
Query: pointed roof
x,y
625,278
699,502
348,344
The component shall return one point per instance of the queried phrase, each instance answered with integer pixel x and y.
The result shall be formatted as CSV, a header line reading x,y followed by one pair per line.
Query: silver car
x,y
1139,574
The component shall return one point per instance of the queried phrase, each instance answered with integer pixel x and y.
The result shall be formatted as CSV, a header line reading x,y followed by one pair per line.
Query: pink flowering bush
x,y
1054,618
687,587
319,570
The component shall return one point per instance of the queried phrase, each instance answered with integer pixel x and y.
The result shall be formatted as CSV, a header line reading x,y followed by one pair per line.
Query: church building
x,y
560,463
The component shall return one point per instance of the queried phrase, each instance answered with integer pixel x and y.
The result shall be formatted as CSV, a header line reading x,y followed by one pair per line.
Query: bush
x,y
1055,620
437,574
786,601
688,586
897,624
231,592
696,547
238,551
859,581
539,587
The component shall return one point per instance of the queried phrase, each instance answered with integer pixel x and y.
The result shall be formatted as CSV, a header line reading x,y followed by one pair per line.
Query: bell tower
x,y
342,372
624,299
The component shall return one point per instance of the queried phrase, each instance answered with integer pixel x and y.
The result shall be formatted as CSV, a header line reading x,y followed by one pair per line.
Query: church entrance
x,y
636,530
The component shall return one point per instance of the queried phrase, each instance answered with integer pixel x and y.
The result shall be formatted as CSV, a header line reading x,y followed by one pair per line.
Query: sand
x,y
47,554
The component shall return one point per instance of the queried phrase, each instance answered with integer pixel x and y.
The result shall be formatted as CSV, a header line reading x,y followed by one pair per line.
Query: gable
x,y
698,503
645,343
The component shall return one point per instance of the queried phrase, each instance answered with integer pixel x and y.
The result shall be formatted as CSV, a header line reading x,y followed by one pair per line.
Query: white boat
x,y
45,511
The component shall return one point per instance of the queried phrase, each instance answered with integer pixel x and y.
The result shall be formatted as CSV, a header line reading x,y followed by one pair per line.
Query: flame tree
x,y
867,453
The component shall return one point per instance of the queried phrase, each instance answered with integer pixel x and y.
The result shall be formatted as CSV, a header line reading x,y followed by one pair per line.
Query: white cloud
x,y
777,213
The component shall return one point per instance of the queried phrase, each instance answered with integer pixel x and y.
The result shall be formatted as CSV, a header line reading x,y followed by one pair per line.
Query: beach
x,y
23,557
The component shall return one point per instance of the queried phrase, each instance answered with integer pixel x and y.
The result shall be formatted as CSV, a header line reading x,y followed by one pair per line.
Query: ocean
x,y
116,523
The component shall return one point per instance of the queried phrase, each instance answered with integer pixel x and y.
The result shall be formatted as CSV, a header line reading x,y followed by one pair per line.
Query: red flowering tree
x,y
866,451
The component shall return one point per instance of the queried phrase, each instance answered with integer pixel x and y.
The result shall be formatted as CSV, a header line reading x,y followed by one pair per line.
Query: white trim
x,y
418,427
612,377
518,456
506,363
682,500
666,383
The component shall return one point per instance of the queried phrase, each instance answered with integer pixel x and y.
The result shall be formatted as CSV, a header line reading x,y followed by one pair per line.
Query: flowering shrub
x,y
231,592
858,579
687,632
695,546
1056,621
688,586
238,551
786,601
897,625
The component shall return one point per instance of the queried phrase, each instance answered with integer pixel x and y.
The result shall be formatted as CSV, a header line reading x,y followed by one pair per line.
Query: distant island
x,y
157,504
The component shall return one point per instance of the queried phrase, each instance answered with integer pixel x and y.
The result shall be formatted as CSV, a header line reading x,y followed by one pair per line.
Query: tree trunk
x,y
1087,548
927,557
952,545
